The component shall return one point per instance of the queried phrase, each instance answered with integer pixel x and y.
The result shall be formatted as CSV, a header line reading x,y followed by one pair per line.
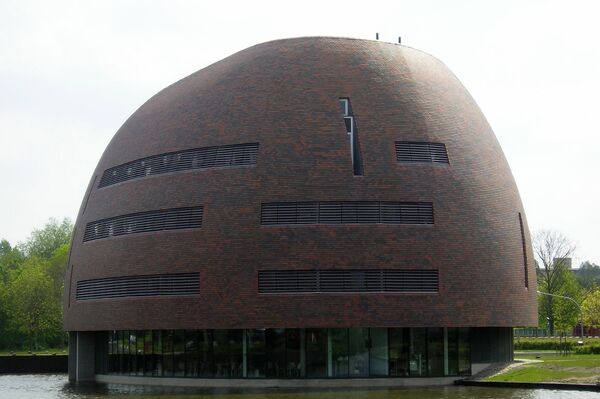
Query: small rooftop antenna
x,y
377,36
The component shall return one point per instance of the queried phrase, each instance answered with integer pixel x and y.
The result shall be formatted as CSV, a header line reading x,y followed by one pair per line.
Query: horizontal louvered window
x,y
198,158
279,213
141,222
129,286
335,280
408,151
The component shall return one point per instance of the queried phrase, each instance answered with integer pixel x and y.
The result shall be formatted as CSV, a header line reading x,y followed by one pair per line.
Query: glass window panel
x,y
293,356
464,351
435,349
148,353
168,367
121,350
236,353
452,345
378,355
157,350
130,349
399,341
275,349
139,352
339,352
179,353
191,353
316,352
418,352
256,353
111,337
111,356
358,350
221,353
128,352
205,358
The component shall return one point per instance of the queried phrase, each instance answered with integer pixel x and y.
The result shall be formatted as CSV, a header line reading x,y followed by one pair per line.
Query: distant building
x,y
567,262
312,208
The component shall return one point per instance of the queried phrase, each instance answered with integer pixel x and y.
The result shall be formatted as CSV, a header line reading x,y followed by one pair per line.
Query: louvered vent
x,y
324,281
408,151
129,286
198,158
164,219
279,213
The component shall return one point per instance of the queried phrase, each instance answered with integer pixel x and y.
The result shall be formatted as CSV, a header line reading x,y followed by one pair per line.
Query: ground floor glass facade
x,y
291,353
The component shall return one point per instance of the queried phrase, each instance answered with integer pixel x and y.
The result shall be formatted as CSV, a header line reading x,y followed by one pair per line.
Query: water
x,y
56,386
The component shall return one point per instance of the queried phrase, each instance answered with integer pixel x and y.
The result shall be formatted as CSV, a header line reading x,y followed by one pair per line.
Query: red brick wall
x,y
284,95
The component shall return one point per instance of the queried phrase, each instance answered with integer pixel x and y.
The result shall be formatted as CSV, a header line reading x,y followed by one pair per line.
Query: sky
x,y
71,72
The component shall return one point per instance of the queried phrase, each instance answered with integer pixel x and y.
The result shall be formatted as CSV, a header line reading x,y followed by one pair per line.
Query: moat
x,y
56,386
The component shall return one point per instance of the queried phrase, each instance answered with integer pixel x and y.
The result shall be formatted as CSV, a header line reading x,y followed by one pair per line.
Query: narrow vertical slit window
x,y
523,242
351,131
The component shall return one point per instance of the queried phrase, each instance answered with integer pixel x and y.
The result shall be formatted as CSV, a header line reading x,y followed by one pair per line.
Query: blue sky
x,y
71,72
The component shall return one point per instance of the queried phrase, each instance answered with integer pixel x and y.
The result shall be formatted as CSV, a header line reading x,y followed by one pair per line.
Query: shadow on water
x,y
56,386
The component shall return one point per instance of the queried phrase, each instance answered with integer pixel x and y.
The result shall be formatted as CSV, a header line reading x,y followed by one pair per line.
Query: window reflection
x,y
378,356
358,350
316,352
256,353
294,352
339,352
418,352
399,348
435,349
275,349
291,353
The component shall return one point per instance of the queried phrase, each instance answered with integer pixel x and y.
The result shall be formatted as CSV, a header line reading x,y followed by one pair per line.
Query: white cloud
x,y
71,72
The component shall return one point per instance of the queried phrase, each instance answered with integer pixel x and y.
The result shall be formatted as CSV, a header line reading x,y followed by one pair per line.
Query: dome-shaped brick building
x,y
306,208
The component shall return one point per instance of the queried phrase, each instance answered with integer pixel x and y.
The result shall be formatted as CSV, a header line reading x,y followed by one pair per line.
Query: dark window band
x,y
332,281
131,286
283,213
524,244
141,222
198,158
409,151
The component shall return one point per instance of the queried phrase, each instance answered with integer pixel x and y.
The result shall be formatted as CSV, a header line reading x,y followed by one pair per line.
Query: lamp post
x,y
572,300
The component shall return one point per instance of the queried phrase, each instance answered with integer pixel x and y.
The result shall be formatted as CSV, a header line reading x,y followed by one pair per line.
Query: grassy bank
x,y
45,352
584,369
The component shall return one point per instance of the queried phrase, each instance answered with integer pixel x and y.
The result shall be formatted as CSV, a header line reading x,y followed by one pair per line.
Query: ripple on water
x,y
56,386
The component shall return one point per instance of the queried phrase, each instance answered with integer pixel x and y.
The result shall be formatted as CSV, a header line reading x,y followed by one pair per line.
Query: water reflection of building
x,y
304,209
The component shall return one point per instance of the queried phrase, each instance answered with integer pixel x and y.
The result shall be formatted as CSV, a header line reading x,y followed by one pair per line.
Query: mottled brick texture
x,y
284,95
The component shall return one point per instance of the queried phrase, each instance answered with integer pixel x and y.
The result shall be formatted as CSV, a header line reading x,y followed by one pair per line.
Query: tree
x,y
42,243
588,275
551,249
31,283
10,259
32,308
56,269
591,308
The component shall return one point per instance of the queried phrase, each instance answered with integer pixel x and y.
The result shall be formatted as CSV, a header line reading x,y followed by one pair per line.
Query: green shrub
x,y
592,349
591,346
541,344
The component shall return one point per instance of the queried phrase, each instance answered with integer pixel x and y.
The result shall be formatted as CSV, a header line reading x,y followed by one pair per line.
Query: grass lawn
x,y
572,368
58,351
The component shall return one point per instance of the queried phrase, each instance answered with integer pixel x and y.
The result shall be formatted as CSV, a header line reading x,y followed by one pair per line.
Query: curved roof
x,y
282,97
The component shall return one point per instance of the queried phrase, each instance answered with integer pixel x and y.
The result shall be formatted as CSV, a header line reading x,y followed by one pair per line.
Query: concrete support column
x,y
72,355
84,361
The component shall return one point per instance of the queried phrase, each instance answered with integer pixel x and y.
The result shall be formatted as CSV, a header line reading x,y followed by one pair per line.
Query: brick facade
x,y
284,95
